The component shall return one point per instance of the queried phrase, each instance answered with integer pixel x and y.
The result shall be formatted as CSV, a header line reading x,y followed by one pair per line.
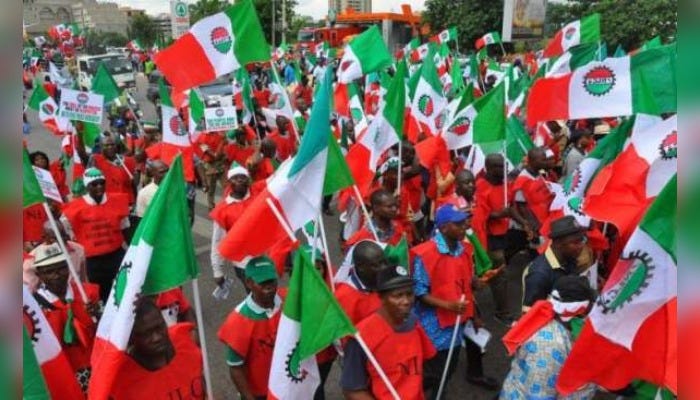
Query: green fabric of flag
x,y
653,43
457,80
165,228
482,261
397,255
196,106
490,125
33,383
310,302
32,193
654,71
103,83
338,174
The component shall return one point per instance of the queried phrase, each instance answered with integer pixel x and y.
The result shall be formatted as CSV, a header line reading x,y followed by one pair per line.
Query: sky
x,y
314,8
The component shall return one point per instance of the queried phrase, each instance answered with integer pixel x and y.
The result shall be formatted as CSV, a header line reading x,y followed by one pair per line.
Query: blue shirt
x,y
289,76
427,315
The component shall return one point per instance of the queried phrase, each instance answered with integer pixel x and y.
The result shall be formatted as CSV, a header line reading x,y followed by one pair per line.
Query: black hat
x,y
564,226
391,278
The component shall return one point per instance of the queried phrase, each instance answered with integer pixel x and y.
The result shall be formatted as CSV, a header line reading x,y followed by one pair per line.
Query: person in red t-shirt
x,y
119,171
303,91
263,162
357,294
209,147
239,148
162,362
250,331
284,139
385,208
70,318
395,338
261,94
531,194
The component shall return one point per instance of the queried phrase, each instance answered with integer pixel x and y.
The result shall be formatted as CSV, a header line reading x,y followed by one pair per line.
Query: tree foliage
x,y
473,18
264,9
629,23
205,8
143,28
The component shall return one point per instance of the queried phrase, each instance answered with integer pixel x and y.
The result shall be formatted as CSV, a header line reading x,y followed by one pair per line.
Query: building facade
x,y
41,15
358,5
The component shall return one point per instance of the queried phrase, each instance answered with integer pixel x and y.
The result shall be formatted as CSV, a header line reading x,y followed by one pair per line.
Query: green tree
x,y
143,27
473,18
629,23
205,8
264,9
298,22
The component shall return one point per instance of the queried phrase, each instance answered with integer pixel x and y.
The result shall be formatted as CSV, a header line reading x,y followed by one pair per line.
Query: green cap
x,y
260,269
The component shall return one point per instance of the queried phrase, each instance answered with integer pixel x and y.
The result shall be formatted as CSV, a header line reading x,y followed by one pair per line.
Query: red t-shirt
x,y
285,144
118,180
262,97
236,152
213,141
181,379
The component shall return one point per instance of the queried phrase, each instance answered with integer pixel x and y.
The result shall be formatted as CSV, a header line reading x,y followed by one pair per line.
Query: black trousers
x,y
432,373
323,369
102,269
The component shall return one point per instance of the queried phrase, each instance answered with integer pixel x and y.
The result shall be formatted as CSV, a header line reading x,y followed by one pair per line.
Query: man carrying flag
x,y
395,338
249,331
163,362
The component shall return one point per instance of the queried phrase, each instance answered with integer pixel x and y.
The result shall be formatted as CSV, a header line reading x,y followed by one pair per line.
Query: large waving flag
x,y
173,129
631,332
311,320
365,53
480,122
586,30
428,101
385,130
643,83
48,112
623,190
293,195
214,46
161,257
445,35
52,361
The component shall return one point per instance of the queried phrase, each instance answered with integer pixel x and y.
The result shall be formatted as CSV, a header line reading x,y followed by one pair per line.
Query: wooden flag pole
x,y
356,190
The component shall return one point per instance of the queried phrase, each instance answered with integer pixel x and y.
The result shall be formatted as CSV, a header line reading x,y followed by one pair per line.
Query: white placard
x,y
81,106
179,18
480,337
220,118
47,184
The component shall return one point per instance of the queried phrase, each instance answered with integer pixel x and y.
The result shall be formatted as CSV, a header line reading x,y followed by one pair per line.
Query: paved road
x,y
214,312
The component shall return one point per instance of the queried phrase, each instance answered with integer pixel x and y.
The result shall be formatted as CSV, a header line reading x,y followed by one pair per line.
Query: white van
x,y
117,64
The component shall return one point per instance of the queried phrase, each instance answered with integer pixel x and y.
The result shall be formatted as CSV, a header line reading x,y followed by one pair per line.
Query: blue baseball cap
x,y
450,213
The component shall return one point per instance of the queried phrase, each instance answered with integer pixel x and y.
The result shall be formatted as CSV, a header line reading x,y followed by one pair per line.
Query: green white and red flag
x,y
445,35
582,31
428,100
172,127
643,83
631,333
311,320
385,130
482,121
135,46
52,364
487,39
215,46
419,53
48,112
623,190
161,257
348,104
407,49
196,115
293,195
365,53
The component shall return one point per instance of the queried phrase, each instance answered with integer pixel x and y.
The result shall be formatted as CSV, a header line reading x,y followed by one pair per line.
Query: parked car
x,y
218,92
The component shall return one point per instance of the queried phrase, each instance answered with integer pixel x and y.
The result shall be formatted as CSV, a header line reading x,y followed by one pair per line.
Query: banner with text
x,y
47,184
523,19
81,106
220,118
